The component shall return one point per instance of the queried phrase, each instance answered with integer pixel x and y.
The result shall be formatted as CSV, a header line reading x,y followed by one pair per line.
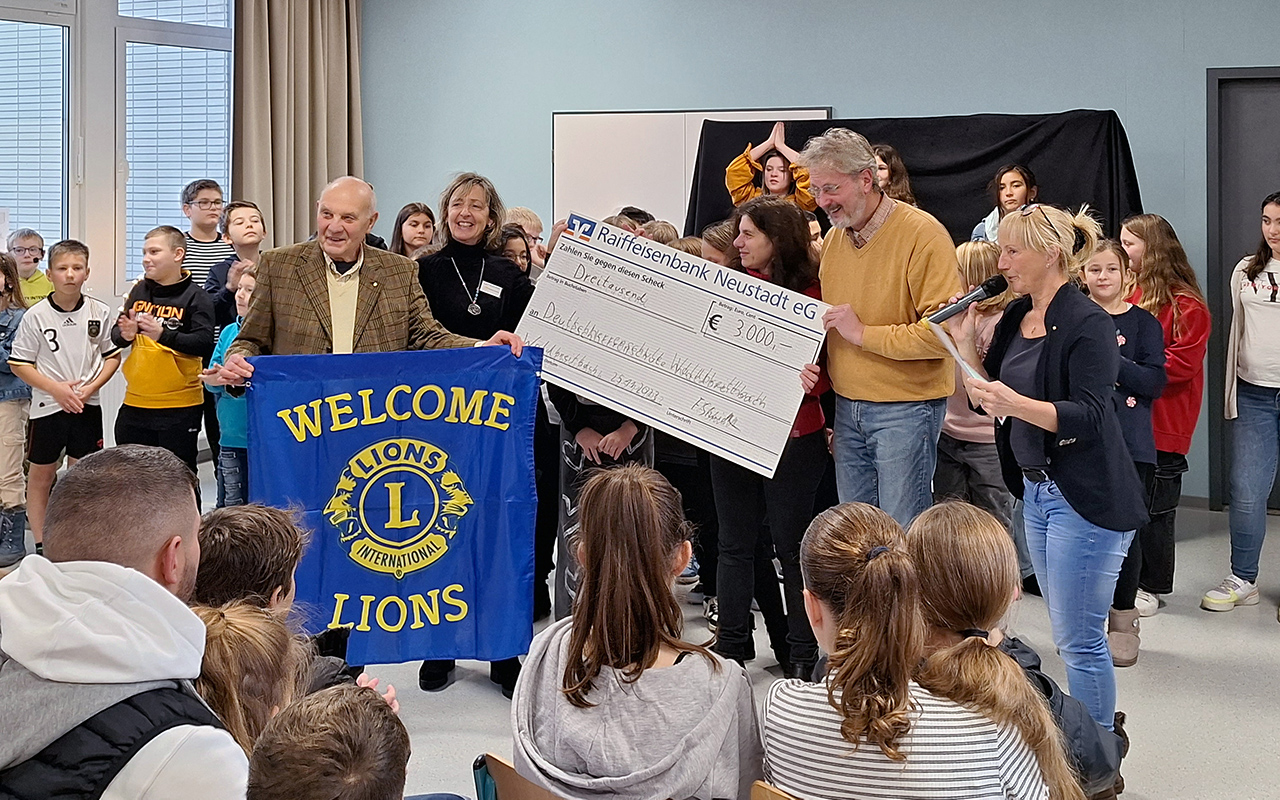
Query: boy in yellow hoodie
x,y
168,320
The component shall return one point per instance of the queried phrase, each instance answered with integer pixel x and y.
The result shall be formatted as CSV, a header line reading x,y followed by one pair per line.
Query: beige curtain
x,y
296,116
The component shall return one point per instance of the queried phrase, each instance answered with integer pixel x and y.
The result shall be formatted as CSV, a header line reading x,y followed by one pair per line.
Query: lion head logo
x,y
396,506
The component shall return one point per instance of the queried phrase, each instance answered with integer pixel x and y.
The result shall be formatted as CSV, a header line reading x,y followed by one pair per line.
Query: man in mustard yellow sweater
x,y
885,265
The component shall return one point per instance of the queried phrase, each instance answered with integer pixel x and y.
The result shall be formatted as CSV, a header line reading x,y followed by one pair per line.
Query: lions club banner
x,y
414,472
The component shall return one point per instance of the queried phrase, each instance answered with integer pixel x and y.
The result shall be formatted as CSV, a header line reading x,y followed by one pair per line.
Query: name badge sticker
x,y
491,289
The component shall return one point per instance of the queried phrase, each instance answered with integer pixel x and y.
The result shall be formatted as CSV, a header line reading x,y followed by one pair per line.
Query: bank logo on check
x,y
580,228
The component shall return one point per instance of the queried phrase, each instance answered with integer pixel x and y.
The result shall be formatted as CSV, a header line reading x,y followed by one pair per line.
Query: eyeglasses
x,y
819,191
205,205
28,251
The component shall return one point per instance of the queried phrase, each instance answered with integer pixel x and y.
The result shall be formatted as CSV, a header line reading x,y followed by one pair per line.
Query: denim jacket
x,y
11,386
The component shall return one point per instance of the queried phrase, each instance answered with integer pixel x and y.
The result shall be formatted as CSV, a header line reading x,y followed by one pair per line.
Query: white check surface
x,y
709,355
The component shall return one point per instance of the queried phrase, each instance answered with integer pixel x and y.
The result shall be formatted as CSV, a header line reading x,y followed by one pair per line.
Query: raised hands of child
x,y
779,134
128,325
149,326
67,395
389,695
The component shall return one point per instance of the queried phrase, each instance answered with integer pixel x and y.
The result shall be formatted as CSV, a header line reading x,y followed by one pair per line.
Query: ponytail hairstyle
x,y
1051,230
969,577
899,187
795,266
1264,253
978,261
1165,271
854,560
631,529
253,666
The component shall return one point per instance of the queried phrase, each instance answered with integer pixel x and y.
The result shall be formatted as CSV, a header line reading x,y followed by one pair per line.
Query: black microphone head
x,y
994,285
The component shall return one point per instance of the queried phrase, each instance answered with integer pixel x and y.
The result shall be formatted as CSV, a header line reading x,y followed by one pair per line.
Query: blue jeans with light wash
x,y
1255,440
1077,564
886,453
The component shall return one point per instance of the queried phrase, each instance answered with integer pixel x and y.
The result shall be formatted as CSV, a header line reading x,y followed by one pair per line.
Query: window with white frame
x,y
33,127
177,130
175,114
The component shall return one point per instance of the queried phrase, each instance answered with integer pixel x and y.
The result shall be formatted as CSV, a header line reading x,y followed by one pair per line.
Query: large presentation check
x,y
707,354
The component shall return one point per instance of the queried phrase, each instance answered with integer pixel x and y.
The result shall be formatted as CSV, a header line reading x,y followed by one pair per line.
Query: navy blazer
x,y
1077,372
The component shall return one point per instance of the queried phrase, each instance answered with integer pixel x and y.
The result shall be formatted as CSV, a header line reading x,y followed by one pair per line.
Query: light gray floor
x,y
1203,701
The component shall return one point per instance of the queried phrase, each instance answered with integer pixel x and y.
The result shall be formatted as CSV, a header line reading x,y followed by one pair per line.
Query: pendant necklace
x,y
474,308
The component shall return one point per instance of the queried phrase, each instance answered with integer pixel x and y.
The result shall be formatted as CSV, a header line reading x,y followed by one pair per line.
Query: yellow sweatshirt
x,y
905,272
740,175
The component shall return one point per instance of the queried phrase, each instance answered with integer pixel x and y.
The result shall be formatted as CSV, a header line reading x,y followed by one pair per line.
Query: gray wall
x,y
451,85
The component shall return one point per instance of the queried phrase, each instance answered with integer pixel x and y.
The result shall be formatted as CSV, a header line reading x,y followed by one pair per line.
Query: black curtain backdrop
x,y
1077,157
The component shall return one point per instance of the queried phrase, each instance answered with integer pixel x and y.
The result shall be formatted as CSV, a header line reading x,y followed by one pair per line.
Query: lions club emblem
x,y
396,506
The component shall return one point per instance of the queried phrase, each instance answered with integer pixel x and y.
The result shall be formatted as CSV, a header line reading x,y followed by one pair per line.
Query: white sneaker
x,y
1147,603
1230,593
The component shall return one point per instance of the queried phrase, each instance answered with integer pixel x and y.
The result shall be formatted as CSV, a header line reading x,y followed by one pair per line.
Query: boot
x,y
1122,637
13,536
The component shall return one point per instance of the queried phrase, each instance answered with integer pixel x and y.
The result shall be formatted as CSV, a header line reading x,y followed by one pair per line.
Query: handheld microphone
x,y
989,288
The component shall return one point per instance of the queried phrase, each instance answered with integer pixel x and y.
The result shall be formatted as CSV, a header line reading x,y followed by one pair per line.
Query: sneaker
x,y
690,574
1230,593
711,613
696,595
1147,603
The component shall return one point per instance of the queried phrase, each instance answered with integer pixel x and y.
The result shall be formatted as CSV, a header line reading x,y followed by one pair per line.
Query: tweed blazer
x,y
289,312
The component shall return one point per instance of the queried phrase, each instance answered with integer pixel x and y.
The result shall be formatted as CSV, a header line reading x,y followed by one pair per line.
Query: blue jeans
x,y
1077,564
1255,435
233,476
886,453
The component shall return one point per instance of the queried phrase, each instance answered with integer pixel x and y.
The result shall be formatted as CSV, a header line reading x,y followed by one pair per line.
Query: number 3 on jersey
x,y
52,335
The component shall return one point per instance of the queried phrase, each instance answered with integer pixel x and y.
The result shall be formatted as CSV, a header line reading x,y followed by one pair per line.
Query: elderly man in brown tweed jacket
x,y
335,295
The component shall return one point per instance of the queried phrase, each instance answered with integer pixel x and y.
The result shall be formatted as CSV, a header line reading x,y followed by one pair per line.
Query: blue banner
x,y
414,472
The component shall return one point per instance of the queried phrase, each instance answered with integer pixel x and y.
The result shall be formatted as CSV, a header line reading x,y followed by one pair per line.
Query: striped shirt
x,y
952,753
203,256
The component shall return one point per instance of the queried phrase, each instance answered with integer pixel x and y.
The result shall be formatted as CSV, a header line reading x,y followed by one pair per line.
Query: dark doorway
x,y
1244,167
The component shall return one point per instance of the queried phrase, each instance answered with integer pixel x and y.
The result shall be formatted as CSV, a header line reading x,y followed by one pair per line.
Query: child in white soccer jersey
x,y
63,349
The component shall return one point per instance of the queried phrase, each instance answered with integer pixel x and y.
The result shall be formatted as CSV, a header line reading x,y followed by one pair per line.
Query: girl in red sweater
x,y
1167,287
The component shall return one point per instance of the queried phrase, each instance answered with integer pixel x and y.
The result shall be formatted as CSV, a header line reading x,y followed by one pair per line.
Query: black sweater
x,y
1140,381
1077,372
503,294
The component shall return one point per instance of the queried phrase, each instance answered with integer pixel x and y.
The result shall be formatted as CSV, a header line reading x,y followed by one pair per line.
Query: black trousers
x,y
174,429
1127,582
546,461
694,483
1157,536
743,500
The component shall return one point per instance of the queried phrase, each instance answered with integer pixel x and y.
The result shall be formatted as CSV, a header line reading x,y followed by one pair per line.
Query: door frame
x,y
1219,301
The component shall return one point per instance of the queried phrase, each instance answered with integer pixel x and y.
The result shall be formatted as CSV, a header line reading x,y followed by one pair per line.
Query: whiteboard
x,y
604,160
